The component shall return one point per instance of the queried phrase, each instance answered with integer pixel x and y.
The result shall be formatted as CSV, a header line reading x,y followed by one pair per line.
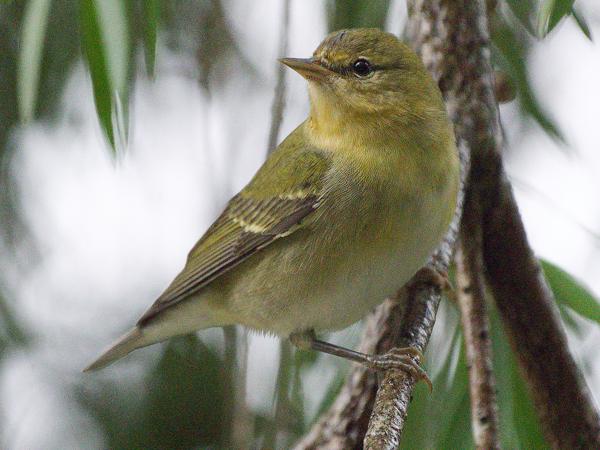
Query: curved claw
x,y
401,359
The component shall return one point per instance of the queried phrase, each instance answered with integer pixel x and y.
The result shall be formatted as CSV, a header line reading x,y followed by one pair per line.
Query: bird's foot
x,y
432,277
400,358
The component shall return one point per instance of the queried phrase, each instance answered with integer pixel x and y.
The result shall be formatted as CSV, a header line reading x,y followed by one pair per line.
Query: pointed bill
x,y
309,68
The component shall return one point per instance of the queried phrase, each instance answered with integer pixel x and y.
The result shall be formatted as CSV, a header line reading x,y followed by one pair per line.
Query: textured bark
x,y
471,300
395,391
344,425
526,304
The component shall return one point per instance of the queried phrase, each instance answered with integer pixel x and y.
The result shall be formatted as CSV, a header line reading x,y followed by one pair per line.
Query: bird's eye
x,y
362,67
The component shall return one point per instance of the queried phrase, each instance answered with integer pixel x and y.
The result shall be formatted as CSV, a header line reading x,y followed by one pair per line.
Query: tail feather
x,y
183,318
126,344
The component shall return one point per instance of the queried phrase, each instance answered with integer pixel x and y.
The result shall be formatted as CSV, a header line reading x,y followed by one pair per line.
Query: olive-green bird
x,y
343,213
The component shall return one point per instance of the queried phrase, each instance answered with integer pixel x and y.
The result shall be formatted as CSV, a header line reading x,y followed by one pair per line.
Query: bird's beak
x,y
309,68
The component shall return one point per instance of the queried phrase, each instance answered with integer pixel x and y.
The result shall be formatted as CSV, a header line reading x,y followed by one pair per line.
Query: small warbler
x,y
342,214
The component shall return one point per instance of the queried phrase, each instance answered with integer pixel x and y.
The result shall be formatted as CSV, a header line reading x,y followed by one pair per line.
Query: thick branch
x,y
560,394
471,301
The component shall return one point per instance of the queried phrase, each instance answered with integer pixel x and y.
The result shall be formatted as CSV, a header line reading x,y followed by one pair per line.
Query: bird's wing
x,y
282,194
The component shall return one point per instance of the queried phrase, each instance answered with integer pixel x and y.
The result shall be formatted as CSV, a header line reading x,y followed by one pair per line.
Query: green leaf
x,y
552,12
180,403
511,55
106,48
570,292
151,17
523,10
32,43
582,23
519,424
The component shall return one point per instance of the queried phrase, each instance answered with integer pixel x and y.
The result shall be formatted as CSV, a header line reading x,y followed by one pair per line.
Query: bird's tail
x,y
186,317
135,338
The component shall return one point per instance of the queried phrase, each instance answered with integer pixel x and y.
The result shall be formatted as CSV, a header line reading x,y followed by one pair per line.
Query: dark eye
x,y
362,67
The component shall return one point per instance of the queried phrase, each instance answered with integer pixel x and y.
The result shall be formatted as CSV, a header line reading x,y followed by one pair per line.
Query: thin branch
x,y
281,401
395,391
236,360
279,98
344,425
471,301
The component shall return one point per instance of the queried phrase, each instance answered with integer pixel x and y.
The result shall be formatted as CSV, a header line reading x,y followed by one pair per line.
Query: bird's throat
x,y
332,125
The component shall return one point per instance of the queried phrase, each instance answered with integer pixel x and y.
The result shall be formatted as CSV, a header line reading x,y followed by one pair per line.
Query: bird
x,y
347,208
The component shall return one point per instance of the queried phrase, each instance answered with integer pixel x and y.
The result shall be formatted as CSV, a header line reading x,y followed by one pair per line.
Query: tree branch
x,y
395,391
471,301
531,320
344,425
279,99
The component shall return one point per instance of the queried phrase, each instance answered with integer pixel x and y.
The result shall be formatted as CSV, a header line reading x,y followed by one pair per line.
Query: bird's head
x,y
365,72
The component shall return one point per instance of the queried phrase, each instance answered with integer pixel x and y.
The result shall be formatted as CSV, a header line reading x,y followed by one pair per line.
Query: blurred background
x,y
124,129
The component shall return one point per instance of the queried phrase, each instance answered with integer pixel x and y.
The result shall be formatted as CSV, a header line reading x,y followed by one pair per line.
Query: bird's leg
x,y
406,359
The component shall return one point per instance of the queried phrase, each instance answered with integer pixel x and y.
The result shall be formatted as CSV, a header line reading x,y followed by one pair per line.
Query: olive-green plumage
x,y
343,213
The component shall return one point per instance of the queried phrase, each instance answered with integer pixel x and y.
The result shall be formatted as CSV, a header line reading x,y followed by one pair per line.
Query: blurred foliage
x,y
353,14
12,333
571,293
179,405
513,36
512,44
105,42
30,58
553,11
200,29
186,400
540,17
151,14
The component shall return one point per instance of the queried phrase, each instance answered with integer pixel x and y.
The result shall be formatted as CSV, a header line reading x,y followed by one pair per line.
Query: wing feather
x,y
284,192
236,235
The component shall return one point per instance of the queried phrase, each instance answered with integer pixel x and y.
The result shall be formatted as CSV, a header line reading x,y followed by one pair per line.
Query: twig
x,y
236,360
281,401
471,302
344,425
279,98
395,391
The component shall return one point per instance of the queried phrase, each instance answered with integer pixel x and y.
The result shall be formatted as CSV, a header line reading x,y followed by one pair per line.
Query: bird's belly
x,y
356,273
360,288
360,284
